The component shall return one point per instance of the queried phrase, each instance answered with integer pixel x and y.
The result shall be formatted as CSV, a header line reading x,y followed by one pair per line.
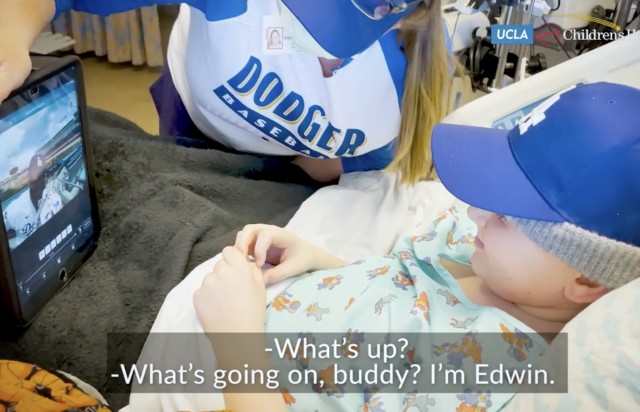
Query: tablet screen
x,y
46,204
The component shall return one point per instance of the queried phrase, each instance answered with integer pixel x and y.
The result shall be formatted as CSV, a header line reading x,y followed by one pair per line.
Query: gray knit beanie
x,y
609,263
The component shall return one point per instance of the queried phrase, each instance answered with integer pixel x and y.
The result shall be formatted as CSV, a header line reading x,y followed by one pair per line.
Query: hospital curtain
x,y
132,36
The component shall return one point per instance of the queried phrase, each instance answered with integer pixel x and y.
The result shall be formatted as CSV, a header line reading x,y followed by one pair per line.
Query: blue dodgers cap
x,y
339,27
37,166
575,159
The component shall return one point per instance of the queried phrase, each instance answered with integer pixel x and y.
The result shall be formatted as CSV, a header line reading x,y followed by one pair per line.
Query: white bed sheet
x,y
364,214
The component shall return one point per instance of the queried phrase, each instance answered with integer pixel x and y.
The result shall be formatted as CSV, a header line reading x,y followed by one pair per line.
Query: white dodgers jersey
x,y
245,84
281,104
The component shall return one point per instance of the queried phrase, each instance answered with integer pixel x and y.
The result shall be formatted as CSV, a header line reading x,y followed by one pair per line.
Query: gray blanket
x,y
164,210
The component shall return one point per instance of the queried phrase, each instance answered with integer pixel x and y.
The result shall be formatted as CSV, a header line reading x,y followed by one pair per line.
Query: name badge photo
x,y
275,40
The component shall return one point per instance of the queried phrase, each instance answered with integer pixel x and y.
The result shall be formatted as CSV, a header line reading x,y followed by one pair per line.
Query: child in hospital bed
x,y
554,224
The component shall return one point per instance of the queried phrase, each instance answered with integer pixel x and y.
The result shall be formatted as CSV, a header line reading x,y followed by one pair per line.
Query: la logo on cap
x,y
537,114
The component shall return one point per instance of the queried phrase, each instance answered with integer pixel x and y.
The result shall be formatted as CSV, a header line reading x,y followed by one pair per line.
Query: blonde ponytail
x,y
427,91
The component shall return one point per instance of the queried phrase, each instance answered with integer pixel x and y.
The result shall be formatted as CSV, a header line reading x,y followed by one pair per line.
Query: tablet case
x,y
44,67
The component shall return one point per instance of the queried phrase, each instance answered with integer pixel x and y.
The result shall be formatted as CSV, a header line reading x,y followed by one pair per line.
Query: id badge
x,y
274,38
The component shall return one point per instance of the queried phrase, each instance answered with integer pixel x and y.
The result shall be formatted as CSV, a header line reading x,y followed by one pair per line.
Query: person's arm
x,y
249,402
330,170
234,351
230,306
249,398
320,170
25,19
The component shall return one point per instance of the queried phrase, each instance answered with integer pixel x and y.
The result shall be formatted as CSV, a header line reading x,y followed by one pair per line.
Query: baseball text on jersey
x,y
301,126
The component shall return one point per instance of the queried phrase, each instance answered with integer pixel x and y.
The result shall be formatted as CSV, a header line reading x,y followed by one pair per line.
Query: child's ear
x,y
584,291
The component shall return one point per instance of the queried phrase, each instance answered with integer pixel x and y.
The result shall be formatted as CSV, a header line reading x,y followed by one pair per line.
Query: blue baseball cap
x,y
574,159
37,166
342,27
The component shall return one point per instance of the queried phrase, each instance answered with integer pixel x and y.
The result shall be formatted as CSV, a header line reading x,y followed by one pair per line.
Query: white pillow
x,y
604,359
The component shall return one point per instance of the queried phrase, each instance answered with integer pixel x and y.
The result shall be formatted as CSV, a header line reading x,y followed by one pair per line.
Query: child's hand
x,y
232,298
289,254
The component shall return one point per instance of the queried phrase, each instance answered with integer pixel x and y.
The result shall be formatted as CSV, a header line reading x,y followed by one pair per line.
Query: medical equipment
x,y
570,27
616,62
486,63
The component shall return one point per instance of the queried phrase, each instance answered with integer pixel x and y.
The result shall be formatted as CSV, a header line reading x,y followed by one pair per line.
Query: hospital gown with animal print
x,y
405,292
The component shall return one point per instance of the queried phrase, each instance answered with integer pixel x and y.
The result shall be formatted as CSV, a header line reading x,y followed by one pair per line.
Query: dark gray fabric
x,y
164,210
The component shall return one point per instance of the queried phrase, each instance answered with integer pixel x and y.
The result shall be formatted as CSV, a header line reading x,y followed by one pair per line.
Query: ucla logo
x,y
301,126
511,34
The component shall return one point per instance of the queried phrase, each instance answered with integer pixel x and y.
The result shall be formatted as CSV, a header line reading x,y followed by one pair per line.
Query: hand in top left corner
x,y
21,21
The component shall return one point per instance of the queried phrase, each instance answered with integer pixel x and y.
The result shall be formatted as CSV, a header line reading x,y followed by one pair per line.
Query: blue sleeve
x,y
214,10
377,159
